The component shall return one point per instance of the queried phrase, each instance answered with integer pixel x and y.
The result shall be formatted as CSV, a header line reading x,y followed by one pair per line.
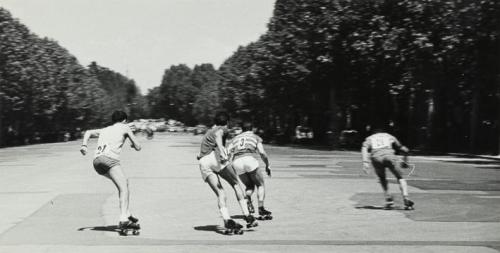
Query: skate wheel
x,y
227,232
123,233
270,217
238,232
136,232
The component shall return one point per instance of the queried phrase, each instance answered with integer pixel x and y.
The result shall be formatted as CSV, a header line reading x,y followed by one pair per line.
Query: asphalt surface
x,y
51,200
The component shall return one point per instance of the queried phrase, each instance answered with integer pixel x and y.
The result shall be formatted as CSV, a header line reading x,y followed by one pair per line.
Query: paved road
x,y
51,200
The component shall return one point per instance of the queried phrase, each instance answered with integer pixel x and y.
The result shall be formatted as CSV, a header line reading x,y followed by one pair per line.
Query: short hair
x,y
118,116
221,119
247,126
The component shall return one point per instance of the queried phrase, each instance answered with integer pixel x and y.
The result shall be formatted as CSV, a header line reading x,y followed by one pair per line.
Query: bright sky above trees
x,y
143,38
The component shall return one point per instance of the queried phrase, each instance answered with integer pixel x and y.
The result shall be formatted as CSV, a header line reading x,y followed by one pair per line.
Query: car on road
x,y
302,134
200,129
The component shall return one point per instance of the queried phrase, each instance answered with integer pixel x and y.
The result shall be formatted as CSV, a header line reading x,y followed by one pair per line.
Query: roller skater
x,y
242,149
213,163
380,148
106,159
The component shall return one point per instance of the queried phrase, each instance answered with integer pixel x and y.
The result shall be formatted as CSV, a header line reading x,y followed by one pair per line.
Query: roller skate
x,y
126,228
251,209
389,203
264,214
251,221
232,227
408,204
133,219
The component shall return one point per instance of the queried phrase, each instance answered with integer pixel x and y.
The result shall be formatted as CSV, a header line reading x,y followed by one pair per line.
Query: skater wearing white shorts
x,y
213,162
379,148
243,149
107,160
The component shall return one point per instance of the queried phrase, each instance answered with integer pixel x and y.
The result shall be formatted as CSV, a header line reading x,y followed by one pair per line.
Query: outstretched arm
x,y
86,137
220,145
404,150
133,140
264,157
366,156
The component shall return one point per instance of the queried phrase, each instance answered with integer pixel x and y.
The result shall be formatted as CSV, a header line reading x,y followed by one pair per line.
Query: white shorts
x,y
245,164
210,164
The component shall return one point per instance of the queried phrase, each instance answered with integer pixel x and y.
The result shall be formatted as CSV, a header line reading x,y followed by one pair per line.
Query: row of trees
x,y
185,94
45,92
428,69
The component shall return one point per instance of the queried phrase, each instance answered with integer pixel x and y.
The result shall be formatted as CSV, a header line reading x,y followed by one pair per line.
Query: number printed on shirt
x,y
381,142
101,149
241,144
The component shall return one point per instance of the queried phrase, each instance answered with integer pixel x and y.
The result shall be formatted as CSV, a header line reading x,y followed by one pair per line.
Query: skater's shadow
x,y
370,207
111,228
241,217
210,228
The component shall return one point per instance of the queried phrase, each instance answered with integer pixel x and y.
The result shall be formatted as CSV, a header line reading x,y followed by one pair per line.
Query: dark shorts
x,y
102,164
390,162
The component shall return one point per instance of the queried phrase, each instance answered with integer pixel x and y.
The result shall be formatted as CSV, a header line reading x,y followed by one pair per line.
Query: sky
x,y
142,38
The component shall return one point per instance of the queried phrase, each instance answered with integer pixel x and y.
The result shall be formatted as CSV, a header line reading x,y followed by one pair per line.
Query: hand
x,y
83,150
223,159
404,164
149,134
268,171
366,168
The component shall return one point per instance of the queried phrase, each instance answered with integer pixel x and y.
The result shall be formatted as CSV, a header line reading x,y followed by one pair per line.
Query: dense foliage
x,y
185,94
429,69
45,92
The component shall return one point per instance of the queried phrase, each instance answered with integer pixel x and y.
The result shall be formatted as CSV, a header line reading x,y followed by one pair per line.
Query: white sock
x,y
244,207
123,218
225,213
403,187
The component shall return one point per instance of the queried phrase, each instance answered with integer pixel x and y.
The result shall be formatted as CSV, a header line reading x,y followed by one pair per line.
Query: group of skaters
x,y
234,161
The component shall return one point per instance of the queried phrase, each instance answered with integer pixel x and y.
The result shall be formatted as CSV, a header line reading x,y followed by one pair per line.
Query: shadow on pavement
x,y
111,228
370,207
240,217
210,228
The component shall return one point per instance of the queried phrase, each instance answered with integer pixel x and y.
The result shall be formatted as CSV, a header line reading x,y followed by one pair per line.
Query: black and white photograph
x,y
357,126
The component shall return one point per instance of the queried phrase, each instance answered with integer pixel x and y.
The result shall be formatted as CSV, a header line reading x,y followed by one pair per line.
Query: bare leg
x,y
249,185
258,180
214,183
121,182
249,189
229,174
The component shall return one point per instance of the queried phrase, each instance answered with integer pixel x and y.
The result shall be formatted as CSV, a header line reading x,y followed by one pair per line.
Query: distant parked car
x,y
200,129
349,139
303,134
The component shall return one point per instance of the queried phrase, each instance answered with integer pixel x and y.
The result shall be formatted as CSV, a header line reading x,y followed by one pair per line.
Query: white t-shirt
x,y
111,140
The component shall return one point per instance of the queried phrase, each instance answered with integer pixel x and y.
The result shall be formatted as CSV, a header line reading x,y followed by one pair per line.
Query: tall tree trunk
x,y
498,122
430,119
411,121
1,118
473,121
334,117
